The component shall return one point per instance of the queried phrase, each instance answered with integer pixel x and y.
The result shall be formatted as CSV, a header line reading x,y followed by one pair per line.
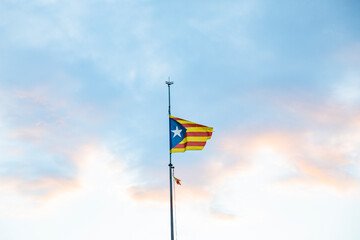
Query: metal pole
x,y
170,168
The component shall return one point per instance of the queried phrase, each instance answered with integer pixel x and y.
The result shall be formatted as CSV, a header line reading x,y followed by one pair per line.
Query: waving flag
x,y
177,181
186,135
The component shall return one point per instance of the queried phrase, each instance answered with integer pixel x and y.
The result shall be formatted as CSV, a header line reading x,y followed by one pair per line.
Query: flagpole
x,y
170,167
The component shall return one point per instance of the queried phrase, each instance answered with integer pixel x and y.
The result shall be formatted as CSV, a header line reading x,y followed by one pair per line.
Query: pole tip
x,y
169,83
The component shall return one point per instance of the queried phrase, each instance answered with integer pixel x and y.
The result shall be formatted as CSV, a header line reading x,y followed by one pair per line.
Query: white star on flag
x,y
177,132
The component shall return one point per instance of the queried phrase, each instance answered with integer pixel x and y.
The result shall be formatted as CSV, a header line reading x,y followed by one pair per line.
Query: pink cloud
x,y
149,194
31,134
318,151
162,194
222,215
312,154
41,124
90,161
16,151
310,173
43,188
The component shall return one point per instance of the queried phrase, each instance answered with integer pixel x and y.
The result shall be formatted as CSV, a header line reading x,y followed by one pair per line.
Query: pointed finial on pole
x,y
169,82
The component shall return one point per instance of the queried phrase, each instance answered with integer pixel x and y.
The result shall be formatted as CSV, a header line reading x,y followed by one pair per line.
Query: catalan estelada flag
x,y
186,135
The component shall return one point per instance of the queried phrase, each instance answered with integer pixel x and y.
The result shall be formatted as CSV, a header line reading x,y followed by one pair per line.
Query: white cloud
x,y
117,36
98,205
347,91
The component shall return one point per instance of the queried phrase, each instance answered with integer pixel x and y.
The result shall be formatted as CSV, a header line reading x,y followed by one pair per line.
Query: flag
x,y
177,181
186,135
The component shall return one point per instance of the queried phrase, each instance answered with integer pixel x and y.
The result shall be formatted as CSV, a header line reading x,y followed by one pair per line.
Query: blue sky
x,y
83,107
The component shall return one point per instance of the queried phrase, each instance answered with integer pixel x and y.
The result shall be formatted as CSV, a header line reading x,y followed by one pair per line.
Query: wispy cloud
x,y
320,149
123,46
41,130
222,215
98,169
345,90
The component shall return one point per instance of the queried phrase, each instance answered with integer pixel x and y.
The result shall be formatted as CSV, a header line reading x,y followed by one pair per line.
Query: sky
x,y
84,148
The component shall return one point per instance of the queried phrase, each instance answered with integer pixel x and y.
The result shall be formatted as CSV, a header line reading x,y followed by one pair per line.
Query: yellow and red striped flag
x,y
177,180
186,135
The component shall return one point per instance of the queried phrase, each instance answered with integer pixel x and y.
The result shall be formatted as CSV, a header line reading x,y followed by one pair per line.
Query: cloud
x,y
121,45
148,194
34,134
41,132
42,188
347,91
98,170
349,57
50,26
318,150
162,194
222,215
